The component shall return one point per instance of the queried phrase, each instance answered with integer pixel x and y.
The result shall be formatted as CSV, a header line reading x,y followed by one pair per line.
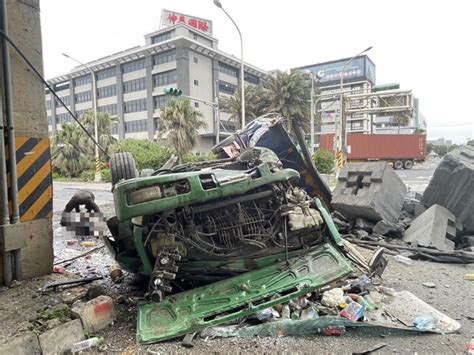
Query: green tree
x,y
180,124
147,154
104,124
256,103
67,154
324,161
290,95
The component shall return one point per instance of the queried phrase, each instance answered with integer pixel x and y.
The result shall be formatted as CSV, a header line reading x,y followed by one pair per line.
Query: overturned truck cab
x,y
222,239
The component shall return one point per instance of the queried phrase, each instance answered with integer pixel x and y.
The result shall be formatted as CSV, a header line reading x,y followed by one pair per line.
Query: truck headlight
x,y
144,195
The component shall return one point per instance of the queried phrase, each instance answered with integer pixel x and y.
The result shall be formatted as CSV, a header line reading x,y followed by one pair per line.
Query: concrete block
x,y
361,223
388,229
61,339
95,314
433,229
452,186
22,344
369,190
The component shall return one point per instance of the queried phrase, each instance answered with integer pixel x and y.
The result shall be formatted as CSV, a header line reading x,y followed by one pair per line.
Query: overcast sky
x,y
427,46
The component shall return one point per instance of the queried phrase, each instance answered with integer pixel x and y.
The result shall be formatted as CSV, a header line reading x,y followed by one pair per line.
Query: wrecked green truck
x,y
222,239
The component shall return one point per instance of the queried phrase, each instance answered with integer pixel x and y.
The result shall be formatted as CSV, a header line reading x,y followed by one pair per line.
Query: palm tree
x,y
180,123
256,103
289,95
104,124
68,156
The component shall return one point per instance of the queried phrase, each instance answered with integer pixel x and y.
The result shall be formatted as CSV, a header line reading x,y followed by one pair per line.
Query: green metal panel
x,y
228,183
240,296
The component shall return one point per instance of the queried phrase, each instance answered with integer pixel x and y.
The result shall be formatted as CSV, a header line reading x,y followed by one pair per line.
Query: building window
x,y
195,36
48,104
196,104
161,37
106,73
114,128
134,85
133,66
134,106
82,80
164,57
135,126
82,97
226,88
63,118
227,69
165,78
50,120
61,86
196,82
252,79
160,101
110,109
107,91
65,99
195,60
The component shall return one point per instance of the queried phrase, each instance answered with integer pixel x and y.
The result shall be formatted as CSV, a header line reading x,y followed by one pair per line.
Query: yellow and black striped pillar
x,y
35,188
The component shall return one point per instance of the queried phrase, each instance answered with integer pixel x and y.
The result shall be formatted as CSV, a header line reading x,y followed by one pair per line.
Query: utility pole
x,y
340,129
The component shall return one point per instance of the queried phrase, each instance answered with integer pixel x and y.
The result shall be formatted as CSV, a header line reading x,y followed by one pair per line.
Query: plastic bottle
x,y
86,344
285,312
370,303
387,290
403,259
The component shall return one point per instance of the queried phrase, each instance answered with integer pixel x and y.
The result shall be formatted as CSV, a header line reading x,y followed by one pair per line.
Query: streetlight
x,y
242,85
94,109
340,143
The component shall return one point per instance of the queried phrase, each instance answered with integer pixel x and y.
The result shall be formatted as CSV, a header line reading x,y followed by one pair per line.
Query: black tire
x,y
122,167
408,164
398,164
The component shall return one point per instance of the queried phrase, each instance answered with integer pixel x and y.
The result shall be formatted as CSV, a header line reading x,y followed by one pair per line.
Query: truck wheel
x,y
398,165
408,164
122,167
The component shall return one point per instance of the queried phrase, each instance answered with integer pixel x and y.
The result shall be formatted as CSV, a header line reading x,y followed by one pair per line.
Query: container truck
x,y
402,150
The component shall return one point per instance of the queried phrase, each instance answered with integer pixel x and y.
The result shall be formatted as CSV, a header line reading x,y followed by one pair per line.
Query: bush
x,y
106,175
324,161
147,154
87,175
192,158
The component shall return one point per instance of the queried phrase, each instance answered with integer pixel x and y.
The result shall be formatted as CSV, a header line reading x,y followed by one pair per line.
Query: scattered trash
x,y
267,314
58,269
371,349
429,284
333,297
79,256
403,259
425,322
69,283
86,344
470,347
71,242
115,273
386,290
354,311
469,277
88,244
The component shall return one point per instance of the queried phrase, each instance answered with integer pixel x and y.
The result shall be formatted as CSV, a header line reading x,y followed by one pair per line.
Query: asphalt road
x,y
418,178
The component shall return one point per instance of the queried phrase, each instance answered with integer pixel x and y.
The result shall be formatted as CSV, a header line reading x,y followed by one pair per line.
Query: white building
x,y
130,83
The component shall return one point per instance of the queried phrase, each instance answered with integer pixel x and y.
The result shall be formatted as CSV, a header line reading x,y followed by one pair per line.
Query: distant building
x,y
359,77
130,83
440,141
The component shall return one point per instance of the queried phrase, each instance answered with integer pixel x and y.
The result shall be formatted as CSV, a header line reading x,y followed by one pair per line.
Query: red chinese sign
x,y
170,18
